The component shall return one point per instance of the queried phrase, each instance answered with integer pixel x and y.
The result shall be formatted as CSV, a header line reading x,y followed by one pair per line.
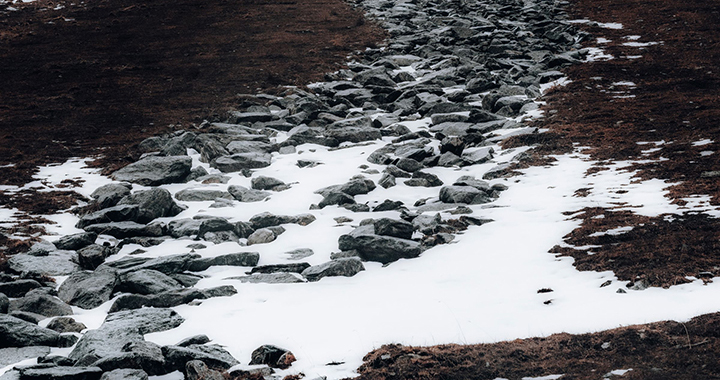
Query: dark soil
x,y
664,350
97,77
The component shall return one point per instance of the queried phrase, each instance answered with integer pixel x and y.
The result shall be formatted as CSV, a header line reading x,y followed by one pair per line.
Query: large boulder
x,y
153,203
166,264
88,289
15,332
156,170
463,194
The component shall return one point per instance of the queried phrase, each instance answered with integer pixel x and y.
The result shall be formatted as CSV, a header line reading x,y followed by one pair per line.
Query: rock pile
x,y
467,68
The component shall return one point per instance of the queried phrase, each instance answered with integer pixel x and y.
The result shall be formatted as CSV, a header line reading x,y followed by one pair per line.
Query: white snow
x,y
610,25
640,44
702,142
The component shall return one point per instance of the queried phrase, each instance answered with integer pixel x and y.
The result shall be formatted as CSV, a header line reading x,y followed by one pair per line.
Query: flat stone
x,y
155,170
12,355
346,267
61,373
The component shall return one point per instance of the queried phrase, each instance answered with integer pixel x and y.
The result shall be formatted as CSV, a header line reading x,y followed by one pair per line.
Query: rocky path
x,y
214,240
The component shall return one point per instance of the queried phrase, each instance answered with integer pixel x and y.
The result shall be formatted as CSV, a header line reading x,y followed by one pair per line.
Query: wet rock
x,y
65,324
272,356
40,303
75,241
346,267
15,332
18,288
155,170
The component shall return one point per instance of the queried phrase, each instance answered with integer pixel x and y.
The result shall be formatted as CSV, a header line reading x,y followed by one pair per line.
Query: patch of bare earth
x,y
673,102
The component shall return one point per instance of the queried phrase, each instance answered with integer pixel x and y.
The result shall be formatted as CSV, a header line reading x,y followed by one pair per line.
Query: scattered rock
x,y
87,289
155,170
65,324
346,267
273,356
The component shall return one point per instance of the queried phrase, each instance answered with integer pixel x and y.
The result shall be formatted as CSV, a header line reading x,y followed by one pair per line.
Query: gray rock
x,y
166,264
409,165
270,278
42,304
201,195
391,227
142,355
474,182
61,373
152,204
388,205
122,328
463,194
212,355
237,117
123,230
449,159
155,170
240,259
4,303
427,224
195,339
57,263
357,186
240,161
146,281
197,370
336,198
28,316
387,181
277,268
183,227
15,332
384,249
272,356
170,298
474,156
266,183
93,256
244,194
117,213
75,241
125,374
65,324
88,290
12,355
346,267
214,225
249,147
18,288
109,195
261,236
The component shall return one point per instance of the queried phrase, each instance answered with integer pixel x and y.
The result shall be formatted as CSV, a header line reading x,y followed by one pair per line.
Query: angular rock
x,y
270,278
357,186
244,194
261,236
166,264
266,183
201,195
123,230
15,332
75,241
152,204
43,304
88,290
391,227
109,195
388,205
477,156
18,288
214,225
146,281
118,213
463,194
277,268
183,227
4,303
336,198
197,370
169,298
212,355
57,263
155,170
240,161
142,355
346,267
93,256
195,339
240,259
125,374
61,373
383,249
427,224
